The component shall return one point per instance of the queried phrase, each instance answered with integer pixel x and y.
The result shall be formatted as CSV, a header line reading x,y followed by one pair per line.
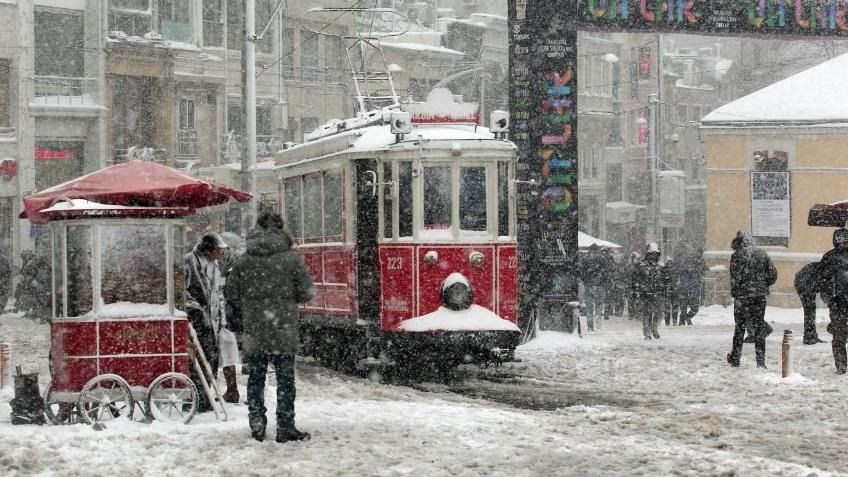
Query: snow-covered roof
x,y
421,47
813,96
585,240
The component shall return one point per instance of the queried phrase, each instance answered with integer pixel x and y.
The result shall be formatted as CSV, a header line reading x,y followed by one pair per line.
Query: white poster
x,y
770,204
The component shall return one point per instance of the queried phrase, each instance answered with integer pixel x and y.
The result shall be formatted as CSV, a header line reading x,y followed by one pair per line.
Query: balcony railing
x,y
64,91
186,144
140,153
265,146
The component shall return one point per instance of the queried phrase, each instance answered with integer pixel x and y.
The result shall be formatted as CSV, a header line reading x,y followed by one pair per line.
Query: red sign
x,y
8,169
54,154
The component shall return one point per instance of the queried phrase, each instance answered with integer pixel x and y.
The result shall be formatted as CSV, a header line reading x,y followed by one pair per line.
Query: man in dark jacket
x,y
32,295
670,273
594,272
5,282
751,274
203,302
689,285
649,288
832,280
807,288
263,290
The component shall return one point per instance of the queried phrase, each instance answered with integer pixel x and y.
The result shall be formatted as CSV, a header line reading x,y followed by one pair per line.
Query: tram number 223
x,y
395,263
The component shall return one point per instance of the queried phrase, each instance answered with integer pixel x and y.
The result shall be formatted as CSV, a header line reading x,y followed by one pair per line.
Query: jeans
x,y
751,312
808,303
839,329
651,312
257,368
595,297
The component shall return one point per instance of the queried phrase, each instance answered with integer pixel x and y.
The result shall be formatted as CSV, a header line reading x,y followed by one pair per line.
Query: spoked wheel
x,y
172,397
59,412
105,398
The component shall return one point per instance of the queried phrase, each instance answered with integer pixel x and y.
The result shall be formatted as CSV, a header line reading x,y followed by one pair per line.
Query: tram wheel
x,y
171,397
104,398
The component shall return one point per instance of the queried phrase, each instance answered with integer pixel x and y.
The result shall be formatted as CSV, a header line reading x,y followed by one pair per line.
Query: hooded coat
x,y
263,289
751,270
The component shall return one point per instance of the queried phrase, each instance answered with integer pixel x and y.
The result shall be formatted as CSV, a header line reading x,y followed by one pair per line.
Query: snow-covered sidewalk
x,y
664,407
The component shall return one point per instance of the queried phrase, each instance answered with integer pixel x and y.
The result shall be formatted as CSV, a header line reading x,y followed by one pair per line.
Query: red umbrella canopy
x,y
135,183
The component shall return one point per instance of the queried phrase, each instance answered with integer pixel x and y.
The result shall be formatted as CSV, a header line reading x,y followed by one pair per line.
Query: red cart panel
x,y
138,350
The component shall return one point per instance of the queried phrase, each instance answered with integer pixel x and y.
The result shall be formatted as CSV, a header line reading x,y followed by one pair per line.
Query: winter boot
x,y
292,434
232,394
732,361
257,428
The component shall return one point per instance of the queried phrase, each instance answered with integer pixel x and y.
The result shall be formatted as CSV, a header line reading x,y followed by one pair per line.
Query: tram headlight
x,y
456,292
476,259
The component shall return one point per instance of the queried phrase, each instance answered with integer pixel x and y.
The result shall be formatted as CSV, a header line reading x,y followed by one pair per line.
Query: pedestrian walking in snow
x,y
630,270
672,308
5,282
203,298
649,291
263,289
690,272
807,288
751,274
32,295
227,341
609,277
832,280
594,273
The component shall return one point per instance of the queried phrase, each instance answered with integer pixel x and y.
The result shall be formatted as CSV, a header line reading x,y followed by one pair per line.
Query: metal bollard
x,y
786,354
5,364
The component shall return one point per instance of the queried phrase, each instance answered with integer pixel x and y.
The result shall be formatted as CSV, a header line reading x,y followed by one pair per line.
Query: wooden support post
x,y
786,354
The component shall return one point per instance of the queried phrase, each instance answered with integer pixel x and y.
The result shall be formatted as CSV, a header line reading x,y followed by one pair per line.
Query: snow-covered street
x,y
607,404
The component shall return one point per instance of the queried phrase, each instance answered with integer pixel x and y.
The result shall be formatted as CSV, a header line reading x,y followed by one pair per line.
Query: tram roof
x,y
380,138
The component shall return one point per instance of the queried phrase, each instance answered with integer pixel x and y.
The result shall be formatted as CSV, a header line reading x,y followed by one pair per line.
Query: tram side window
x,y
437,191
293,209
80,294
312,210
333,204
387,200
503,199
472,199
405,198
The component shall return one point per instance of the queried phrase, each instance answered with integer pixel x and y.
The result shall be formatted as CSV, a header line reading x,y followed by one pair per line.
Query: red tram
x,y
406,221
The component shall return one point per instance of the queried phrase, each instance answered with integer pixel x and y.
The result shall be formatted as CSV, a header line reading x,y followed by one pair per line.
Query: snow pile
x,y
555,341
130,310
475,318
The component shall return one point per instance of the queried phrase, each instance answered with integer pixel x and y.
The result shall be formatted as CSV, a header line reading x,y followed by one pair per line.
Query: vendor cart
x,y
118,336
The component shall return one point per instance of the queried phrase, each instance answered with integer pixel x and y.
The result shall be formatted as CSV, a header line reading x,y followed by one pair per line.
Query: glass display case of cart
x,y
116,262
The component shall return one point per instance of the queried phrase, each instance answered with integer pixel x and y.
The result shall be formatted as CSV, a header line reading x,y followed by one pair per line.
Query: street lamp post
x,y
654,234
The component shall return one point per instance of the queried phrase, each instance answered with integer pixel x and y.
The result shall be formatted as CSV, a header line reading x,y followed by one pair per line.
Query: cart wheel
x,y
172,397
104,398
59,413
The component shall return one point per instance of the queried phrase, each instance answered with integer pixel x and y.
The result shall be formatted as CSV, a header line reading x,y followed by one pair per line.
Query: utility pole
x,y
654,234
248,98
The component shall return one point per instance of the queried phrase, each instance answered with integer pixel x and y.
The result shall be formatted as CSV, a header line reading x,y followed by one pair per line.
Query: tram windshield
x,y
441,200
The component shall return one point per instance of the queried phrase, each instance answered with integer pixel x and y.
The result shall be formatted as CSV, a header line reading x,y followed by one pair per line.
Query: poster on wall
x,y
770,204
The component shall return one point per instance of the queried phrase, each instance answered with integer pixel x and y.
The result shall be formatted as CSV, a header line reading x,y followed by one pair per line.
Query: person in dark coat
x,y
751,274
594,273
670,274
5,282
807,288
263,289
32,295
649,291
832,281
690,274
203,300
630,270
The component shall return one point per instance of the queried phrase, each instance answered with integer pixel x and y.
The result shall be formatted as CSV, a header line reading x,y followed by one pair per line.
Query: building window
x,y
264,121
264,9
333,204
59,44
235,25
57,162
187,114
288,53
312,208
310,59
213,23
133,17
175,20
